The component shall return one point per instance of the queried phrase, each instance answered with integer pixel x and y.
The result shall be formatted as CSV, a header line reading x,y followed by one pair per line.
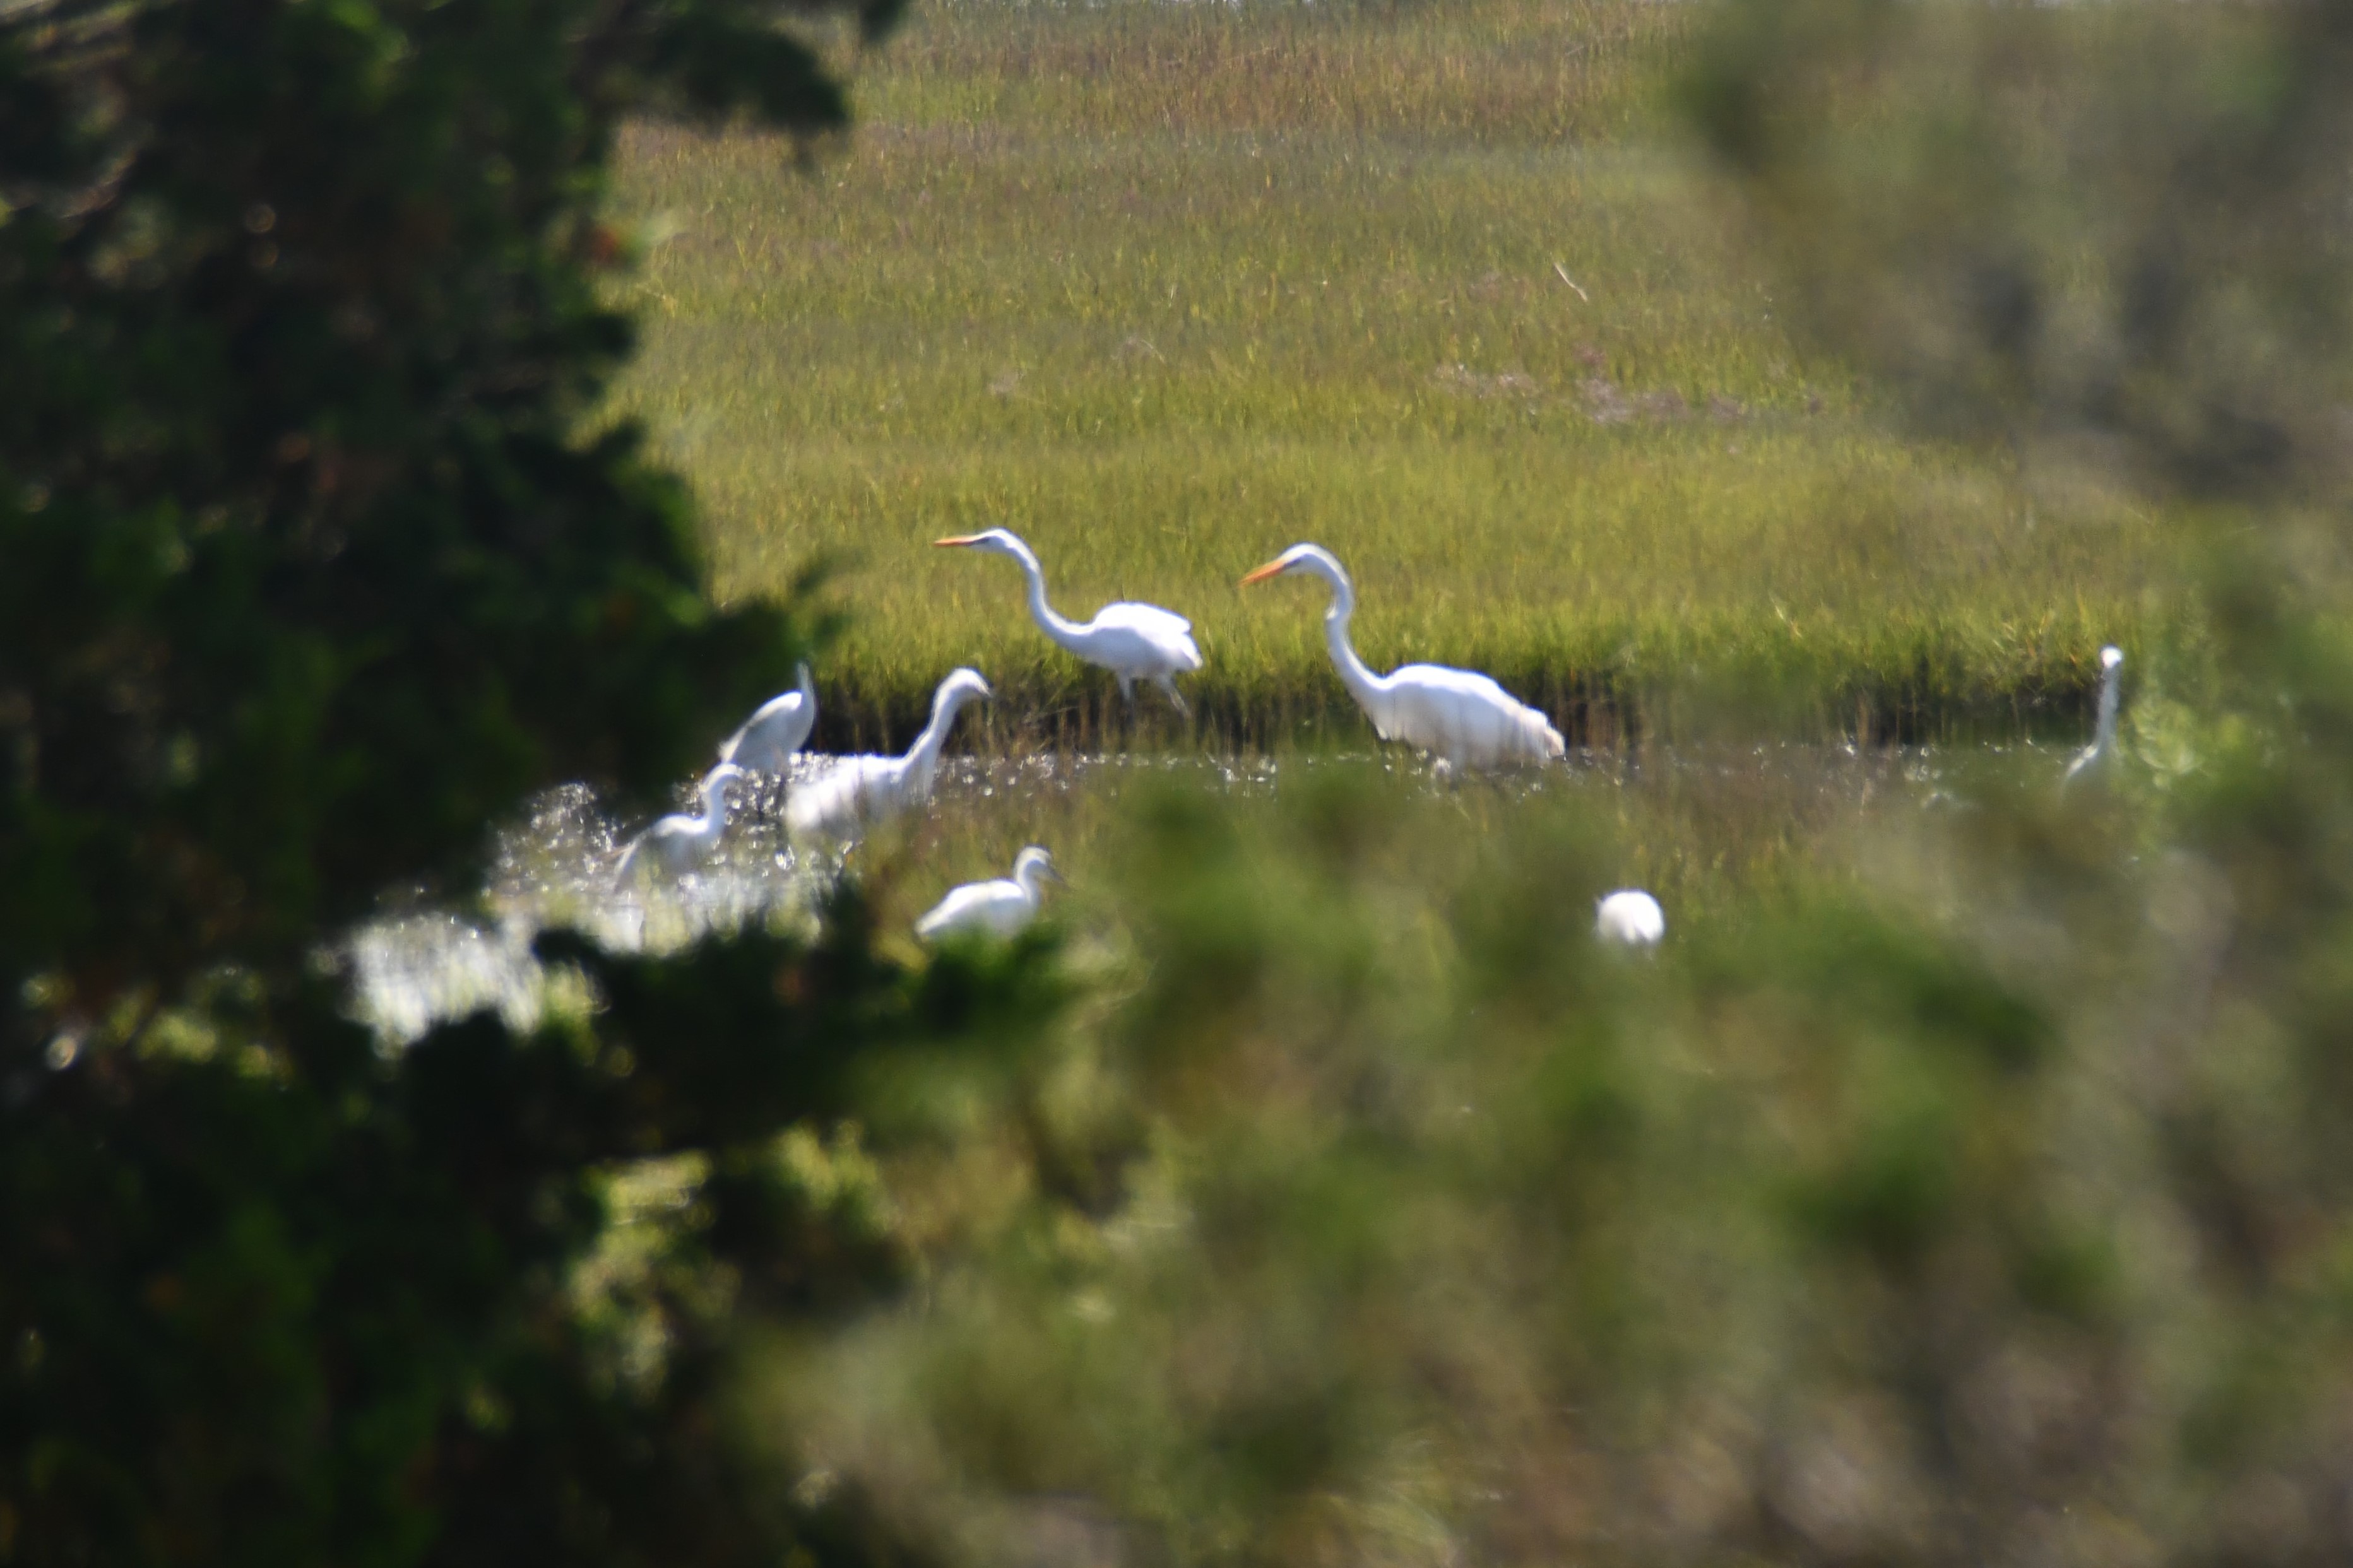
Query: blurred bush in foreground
x,y
1987,1203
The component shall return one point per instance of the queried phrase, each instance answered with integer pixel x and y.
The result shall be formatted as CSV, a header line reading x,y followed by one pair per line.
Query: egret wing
x,y
1462,714
999,908
836,794
1144,617
1165,635
772,735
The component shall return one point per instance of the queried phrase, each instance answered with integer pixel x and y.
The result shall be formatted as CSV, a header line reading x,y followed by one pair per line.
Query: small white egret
x,y
1462,717
780,728
1134,642
682,842
2104,736
1629,917
1001,908
852,792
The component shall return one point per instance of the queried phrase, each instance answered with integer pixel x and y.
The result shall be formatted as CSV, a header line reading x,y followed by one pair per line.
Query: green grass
x,y
1716,833
1167,288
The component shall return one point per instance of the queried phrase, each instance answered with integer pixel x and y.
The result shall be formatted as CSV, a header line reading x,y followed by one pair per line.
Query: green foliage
x,y
1954,1186
314,570
310,574
1979,1194
290,1298
1974,1195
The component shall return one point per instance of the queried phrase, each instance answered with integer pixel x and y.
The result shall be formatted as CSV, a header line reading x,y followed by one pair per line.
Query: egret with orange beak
x,y
1134,642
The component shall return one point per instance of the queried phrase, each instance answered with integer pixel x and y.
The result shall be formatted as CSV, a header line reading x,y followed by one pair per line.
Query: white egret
x,y
1629,917
1000,909
1460,716
850,791
680,842
1134,642
780,728
2104,736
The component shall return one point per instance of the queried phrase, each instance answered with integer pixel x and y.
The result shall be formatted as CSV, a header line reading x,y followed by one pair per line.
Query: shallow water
x,y
557,867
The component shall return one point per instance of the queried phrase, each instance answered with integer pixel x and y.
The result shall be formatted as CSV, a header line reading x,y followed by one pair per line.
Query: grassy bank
x,y
1167,288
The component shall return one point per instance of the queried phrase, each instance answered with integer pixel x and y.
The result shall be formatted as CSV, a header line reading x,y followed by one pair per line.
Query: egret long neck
x,y
1054,625
1370,690
923,756
2105,736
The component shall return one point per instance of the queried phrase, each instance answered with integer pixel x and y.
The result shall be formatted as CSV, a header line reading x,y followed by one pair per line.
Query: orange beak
x,y
959,539
1262,574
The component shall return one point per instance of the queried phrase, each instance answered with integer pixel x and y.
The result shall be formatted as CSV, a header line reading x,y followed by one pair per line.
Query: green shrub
x,y
309,573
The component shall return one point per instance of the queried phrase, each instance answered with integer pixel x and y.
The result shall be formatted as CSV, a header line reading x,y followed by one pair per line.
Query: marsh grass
x,y
1167,288
1714,832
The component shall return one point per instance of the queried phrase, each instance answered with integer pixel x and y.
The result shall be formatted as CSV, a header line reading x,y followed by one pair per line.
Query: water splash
x,y
555,868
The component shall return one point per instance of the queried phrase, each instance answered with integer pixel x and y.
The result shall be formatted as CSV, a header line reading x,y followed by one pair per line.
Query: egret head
x,y
996,541
1035,864
961,687
719,780
1313,558
2111,657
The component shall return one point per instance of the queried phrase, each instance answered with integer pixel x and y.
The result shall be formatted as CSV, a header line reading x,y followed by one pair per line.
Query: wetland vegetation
x,y
1166,287
1790,395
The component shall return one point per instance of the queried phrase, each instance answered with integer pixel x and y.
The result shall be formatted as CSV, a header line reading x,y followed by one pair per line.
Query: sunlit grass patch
x,y
1165,289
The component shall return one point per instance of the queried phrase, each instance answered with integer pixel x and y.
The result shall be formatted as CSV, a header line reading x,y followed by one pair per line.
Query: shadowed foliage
x,y
312,572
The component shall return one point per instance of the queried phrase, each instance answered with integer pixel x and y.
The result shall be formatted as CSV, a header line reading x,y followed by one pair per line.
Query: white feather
x,y
1630,918
2104,736
1134,642
845,794
1002,907
682,842
1463,717
780,727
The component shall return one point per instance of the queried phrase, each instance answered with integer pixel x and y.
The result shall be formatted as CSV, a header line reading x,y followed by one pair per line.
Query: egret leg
x,y
1127,691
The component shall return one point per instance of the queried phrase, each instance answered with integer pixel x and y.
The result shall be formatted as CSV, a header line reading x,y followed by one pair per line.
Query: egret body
x,y
1460,716
853,792
771,735
1000,909
1134,642
679,842
1629,917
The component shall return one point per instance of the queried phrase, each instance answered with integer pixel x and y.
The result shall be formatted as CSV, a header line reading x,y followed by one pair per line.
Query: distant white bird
x,y
1134,642
852,792
1460,716
780,728
2104,737
1629,917
682,842
1001,908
